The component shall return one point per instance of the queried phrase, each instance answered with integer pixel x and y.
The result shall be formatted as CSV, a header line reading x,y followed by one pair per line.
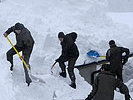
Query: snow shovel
x,y
93,53
33,77
53,67
18,54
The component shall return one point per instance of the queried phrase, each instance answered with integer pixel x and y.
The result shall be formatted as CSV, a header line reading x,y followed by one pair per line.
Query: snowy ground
x,y
45,18
123,18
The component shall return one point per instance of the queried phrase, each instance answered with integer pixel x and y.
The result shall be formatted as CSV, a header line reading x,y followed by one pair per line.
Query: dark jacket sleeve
x,y
125,58
11,29
108,55
64,52
126,51
123,88
92,76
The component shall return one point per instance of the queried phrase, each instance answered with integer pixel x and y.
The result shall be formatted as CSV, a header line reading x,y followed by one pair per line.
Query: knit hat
x,y
111,42
61,35
19,26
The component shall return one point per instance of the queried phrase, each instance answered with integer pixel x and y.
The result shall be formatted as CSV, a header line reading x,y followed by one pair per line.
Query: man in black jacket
x,y
24,43
105,84
115,56
70,53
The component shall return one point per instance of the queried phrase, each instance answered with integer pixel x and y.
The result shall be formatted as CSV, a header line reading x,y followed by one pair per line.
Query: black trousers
x,y
119,74
12,52
71,64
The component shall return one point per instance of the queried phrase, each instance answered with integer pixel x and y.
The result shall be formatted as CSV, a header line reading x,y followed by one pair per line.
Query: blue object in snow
x,y
93,53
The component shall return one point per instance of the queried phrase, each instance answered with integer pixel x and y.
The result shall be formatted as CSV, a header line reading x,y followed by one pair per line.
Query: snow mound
x,y
45,19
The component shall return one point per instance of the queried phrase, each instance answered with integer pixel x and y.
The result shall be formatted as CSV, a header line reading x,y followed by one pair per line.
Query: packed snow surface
x,y
45,18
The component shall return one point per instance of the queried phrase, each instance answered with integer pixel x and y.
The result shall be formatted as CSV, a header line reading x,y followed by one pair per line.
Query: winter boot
x,y
28,79
11,68
63,74
73,85
28,83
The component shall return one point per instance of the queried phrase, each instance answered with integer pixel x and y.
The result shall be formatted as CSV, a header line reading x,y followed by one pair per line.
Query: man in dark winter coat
x,y
105,84
115,56
24,43
70,53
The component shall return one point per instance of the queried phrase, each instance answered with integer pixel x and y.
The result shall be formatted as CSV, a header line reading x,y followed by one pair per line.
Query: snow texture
x,y
45,18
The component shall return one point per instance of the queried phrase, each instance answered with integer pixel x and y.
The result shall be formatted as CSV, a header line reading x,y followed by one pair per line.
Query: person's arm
x,y
126,50
108,55
63,55
94,90
125,58
11,29
92,76
123,88
64,51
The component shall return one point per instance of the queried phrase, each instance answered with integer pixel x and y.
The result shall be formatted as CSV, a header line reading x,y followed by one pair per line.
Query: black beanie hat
x,y
106,67
19,26
61,35
111,42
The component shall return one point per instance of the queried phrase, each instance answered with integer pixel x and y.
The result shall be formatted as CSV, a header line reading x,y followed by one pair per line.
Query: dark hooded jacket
x,y
104,86
69,49
114,56
24,39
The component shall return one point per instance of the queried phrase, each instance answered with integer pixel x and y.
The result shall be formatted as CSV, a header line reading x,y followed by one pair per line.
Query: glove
x,y
5,34
125,59
127,97
57,60
89,97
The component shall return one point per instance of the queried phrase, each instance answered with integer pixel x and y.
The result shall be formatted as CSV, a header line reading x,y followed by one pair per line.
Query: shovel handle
x,y
102,56
53,65
18,53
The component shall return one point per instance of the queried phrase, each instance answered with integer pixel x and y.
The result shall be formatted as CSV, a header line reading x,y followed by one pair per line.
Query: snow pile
x,y
120,6
123,18
45,18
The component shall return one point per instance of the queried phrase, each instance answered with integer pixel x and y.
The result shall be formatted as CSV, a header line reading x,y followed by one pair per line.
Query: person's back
x,y
105,84
73,51
28,41
115,56
69,47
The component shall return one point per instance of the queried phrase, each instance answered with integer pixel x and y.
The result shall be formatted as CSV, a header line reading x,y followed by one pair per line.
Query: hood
x,y
19,26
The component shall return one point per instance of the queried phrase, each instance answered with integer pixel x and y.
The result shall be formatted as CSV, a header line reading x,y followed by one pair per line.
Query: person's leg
x,y
28,79
10,54
71,64
26,59
119,74
62,66
63,69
